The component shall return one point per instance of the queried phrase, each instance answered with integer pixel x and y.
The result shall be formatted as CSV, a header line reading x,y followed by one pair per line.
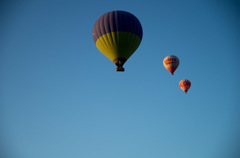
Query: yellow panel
x,y
118,44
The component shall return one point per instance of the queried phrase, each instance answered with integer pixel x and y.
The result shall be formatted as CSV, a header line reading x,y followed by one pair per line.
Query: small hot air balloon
x,y
117,34
185,85
171,63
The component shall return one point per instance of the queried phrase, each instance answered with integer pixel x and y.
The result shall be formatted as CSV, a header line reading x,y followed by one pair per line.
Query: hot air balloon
x,y
185,85
117,34
171,63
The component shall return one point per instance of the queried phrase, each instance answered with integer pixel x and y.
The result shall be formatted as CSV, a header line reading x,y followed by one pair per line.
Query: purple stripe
x,y
117,21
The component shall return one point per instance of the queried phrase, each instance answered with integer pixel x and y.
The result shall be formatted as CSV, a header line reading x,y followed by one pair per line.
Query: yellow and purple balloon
x,y
117,34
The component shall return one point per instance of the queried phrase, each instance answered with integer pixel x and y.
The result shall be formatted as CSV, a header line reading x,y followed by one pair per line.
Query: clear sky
x,y
61,98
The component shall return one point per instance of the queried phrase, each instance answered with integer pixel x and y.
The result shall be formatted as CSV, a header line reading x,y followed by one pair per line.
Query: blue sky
x,y
60,97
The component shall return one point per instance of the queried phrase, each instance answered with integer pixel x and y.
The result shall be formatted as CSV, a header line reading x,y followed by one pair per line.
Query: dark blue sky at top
x,y
60,97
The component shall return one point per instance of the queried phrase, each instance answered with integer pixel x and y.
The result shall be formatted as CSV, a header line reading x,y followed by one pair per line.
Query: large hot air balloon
x,y
171,63
117,34
185,85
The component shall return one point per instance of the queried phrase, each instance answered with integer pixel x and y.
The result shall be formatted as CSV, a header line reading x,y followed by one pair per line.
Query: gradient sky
x,y
61,98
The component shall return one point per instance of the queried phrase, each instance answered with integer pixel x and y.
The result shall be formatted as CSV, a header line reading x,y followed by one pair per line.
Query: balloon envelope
x,y
117,34
171,63
185,85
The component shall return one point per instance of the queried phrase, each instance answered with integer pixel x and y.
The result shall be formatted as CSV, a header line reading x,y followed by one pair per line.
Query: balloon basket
x,y
121,69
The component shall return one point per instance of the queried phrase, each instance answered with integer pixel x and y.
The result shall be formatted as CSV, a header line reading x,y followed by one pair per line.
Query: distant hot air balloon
x,y
185,85
117,34
171,63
